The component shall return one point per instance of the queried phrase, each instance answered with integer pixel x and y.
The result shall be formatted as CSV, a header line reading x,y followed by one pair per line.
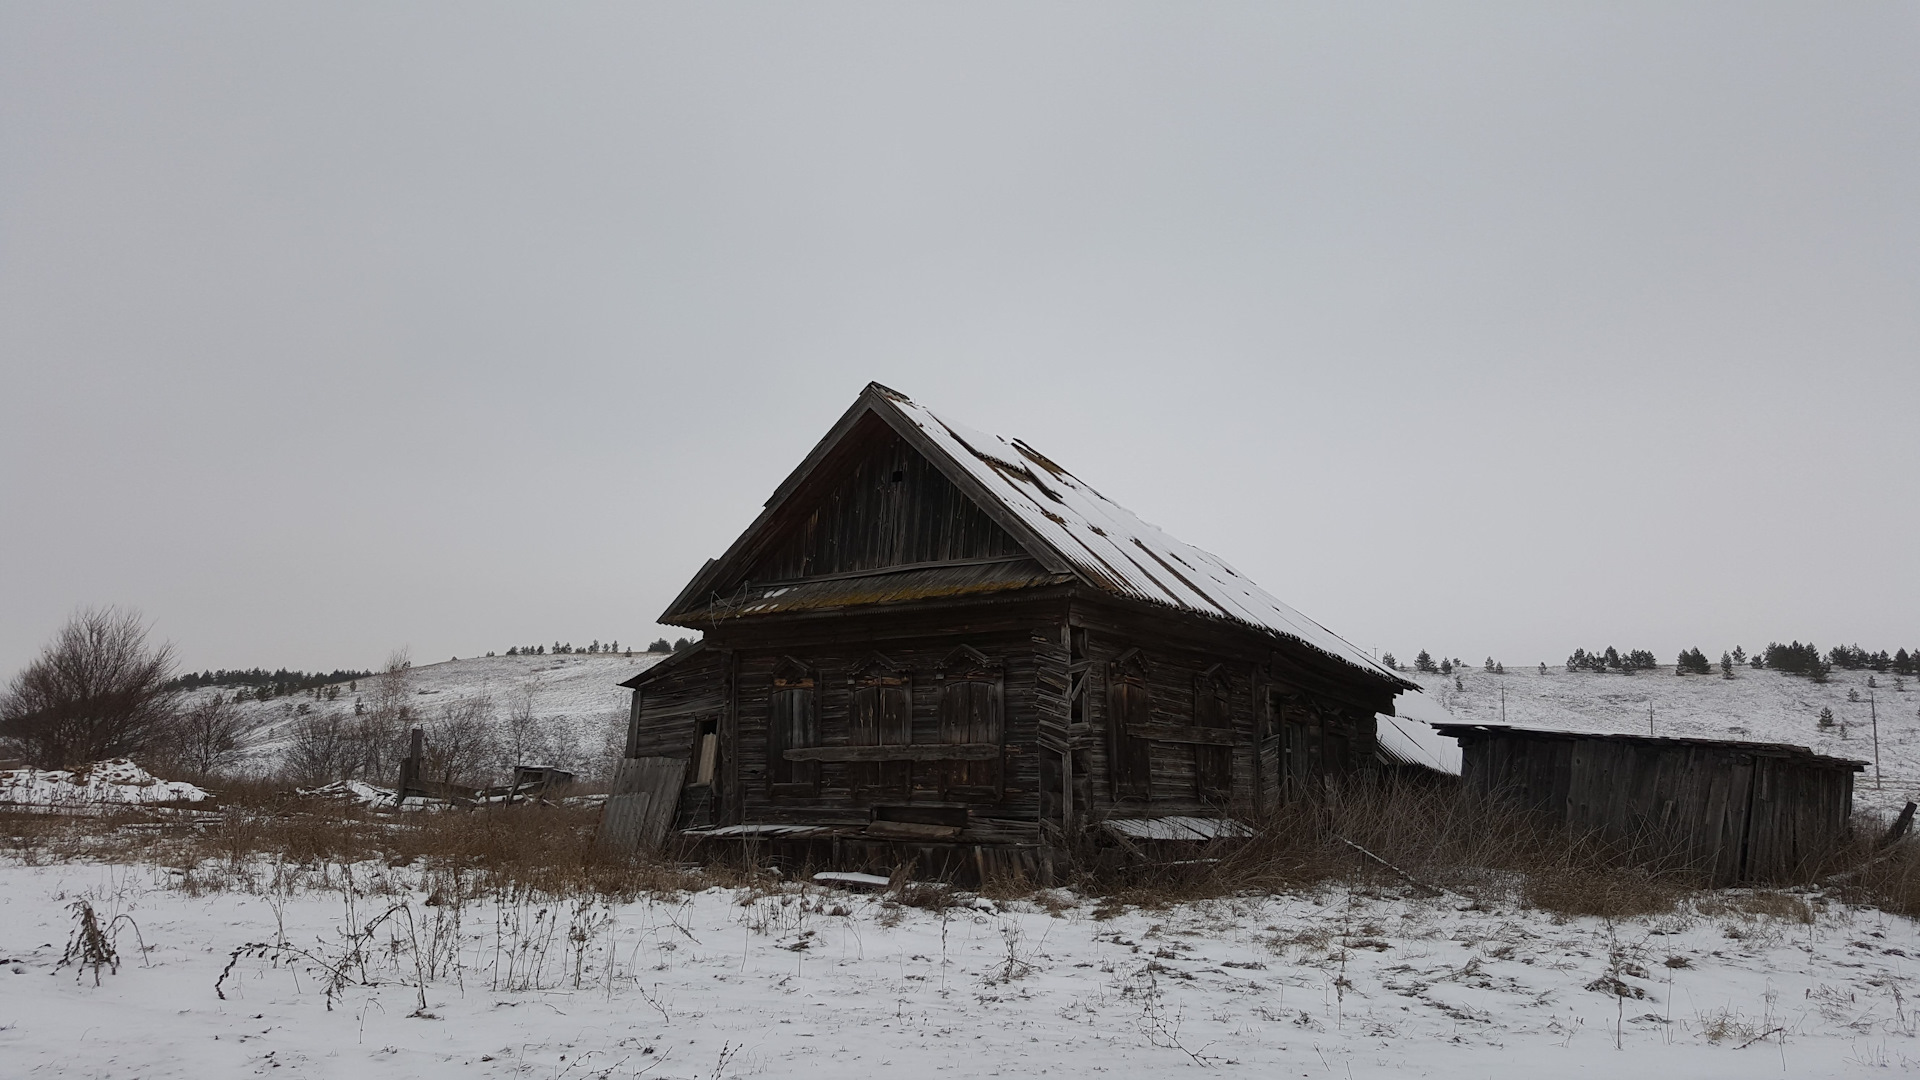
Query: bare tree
x,y
380,733
206,736
321,748
523,739
98,690
460,740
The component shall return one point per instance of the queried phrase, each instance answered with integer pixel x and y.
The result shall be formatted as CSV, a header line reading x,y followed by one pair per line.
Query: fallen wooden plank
x,y
911,830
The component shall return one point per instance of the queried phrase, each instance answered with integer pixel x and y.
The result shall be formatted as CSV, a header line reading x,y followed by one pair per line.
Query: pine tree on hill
x,y
1424,662
1446,667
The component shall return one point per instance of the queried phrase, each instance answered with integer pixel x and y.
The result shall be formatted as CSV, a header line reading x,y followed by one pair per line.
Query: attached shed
x,y
940,646
1736,811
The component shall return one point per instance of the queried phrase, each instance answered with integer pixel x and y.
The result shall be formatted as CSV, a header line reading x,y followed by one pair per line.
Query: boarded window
x,y
971,715
1300,752
792,723
1212,708
882,715
1130,710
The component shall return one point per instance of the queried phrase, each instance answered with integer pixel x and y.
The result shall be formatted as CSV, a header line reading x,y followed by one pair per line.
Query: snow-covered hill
x,y
575,693
1754,706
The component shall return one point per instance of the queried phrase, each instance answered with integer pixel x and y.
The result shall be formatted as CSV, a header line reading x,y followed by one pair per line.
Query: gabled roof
x,y
1068,527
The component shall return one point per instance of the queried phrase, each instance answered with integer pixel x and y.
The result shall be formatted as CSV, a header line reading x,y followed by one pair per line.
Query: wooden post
x,y
410,768
1874,712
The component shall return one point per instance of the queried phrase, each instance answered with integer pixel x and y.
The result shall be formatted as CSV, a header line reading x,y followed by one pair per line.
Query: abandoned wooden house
x,y
939,645
1732,811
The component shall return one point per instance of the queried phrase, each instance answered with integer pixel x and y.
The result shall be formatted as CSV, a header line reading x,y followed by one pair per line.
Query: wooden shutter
x,y
881,715
792,723
1212,708
1301,766
1130,709
971,712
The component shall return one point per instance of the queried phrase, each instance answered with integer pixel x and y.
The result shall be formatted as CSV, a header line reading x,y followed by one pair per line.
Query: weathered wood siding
x,y
1731,813
891,507
669,709
921,667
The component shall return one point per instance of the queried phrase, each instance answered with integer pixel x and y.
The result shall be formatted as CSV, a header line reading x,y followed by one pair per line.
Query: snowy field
x,y
813,983
1755,706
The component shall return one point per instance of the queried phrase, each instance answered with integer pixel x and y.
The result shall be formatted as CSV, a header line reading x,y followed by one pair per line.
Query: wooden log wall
x,y
671,707
1730,813
1054,666
839,796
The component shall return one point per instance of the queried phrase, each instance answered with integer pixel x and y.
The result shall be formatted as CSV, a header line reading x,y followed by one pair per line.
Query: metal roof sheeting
x,y
1405,741
1110,547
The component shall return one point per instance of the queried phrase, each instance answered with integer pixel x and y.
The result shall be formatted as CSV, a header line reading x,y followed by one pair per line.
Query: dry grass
x,y
1411,835
544,849
1370,834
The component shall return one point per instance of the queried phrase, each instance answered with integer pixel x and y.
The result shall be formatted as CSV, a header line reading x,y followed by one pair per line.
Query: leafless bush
x,y
528,738
379,732
205,738
322,747
98,690
460,740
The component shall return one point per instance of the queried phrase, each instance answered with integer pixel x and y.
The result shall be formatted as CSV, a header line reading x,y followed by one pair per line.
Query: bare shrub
x,y
460,740
379,733
322,747
206,737
97,691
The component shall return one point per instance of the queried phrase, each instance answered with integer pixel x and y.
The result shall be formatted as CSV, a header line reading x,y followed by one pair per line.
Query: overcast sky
x,y
327,329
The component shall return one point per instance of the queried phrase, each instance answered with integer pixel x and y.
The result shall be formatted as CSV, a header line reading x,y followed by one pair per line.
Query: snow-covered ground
x,y
1754,706
118,782
817,983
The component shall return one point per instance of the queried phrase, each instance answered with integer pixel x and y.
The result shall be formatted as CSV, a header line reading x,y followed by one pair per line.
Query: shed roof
x,y
1066,525
1788,750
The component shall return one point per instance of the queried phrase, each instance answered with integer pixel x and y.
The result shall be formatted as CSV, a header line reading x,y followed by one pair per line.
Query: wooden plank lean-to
x,y
646,793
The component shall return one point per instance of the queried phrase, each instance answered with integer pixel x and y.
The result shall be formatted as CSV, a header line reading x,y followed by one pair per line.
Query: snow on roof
x,y
1110,547
1404,741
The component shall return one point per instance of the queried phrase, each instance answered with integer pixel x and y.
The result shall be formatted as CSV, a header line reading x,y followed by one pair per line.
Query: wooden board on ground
x,y
646,791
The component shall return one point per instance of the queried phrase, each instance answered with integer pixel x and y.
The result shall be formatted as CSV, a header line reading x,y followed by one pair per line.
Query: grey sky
x,y
1488,329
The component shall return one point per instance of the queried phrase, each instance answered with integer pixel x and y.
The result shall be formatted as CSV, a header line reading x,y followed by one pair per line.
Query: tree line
x,y
278,683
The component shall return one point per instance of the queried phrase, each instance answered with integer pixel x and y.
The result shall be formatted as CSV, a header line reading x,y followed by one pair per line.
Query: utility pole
x,y
1503,705
1649,716
1874,711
